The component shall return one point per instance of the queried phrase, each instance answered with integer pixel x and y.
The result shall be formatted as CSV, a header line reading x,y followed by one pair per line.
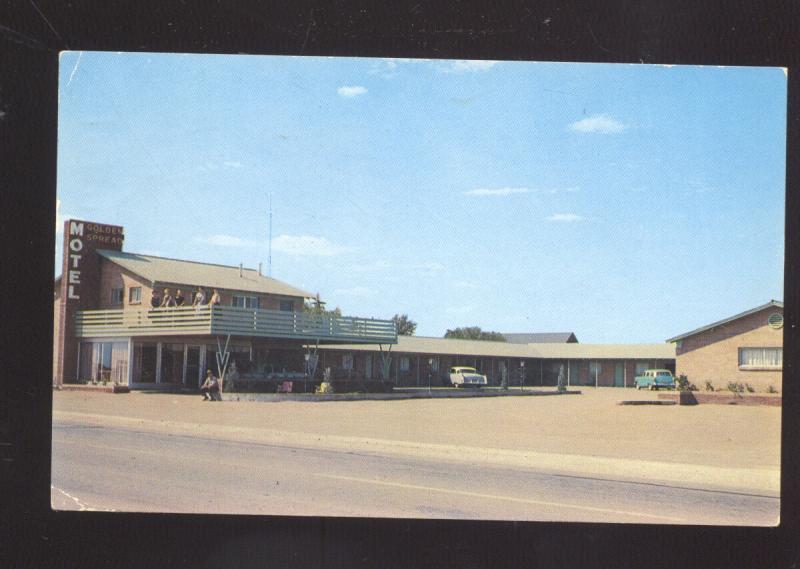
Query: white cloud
x,y
355,291
351,91
467,66
565,217
598,123
232,164
426,266
510,191
497,191
226,241
306,245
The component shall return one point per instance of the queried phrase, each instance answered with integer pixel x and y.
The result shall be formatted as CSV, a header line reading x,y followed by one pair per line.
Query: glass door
x,y
192,376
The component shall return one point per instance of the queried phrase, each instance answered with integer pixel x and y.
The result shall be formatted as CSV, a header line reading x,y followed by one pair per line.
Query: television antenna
x,y
269,257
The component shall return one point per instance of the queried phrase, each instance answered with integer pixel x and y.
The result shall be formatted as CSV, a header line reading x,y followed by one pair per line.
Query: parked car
x,y
655,379
461,376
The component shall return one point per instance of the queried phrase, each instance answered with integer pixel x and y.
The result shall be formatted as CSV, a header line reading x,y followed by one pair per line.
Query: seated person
x,y
179,299
210,387
155,300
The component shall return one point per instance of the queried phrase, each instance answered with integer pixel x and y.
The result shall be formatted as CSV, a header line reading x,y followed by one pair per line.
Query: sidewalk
x,y
733,448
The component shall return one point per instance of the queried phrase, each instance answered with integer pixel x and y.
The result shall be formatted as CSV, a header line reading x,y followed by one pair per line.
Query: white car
x,y
461,376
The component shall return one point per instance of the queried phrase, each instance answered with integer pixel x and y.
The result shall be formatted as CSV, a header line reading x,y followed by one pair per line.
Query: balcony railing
x,y
230,320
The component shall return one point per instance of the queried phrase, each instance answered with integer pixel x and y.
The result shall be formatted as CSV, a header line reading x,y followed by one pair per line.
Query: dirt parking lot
x,y
590,424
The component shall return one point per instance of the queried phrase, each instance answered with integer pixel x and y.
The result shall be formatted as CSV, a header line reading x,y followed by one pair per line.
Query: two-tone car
x,y
461,376
655,379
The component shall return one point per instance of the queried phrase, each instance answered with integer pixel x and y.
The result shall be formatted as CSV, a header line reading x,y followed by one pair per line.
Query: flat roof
x,y
479,348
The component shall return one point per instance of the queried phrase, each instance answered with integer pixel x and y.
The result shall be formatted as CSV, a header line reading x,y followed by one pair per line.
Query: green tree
x,y
404,326
474,333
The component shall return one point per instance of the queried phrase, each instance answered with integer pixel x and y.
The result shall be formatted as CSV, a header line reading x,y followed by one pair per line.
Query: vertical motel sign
x,y
80,285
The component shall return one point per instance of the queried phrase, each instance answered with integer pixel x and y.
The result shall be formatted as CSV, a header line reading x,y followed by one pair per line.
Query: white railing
x,y
231,320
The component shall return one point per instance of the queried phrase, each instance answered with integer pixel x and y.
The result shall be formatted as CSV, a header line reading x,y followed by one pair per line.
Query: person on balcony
x,y
168,300
199,298
155,300
216,300
179,298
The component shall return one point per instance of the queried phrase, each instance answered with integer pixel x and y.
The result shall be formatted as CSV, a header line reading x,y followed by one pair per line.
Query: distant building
x,y
414,357
744,348
540,337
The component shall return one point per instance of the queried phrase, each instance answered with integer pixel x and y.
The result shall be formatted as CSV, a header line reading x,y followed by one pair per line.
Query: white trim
x,y
129,379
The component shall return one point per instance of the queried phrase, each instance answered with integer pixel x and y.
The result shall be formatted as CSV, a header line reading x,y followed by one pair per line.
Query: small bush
x,y
682,383
736,388
749,388
709,386
771,389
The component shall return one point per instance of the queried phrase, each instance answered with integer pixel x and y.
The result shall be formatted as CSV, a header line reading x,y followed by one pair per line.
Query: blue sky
x,y
626,203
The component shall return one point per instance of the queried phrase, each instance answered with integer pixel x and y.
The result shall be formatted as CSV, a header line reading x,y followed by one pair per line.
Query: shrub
x,y
771,389
749,388
709,386
736,388
683,383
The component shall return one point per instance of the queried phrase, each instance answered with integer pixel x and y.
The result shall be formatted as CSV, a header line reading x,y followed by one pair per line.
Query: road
x,y
121,469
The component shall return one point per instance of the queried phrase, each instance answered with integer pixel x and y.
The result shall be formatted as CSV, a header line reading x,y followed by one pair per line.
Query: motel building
x,y
746,348
529,360
106,330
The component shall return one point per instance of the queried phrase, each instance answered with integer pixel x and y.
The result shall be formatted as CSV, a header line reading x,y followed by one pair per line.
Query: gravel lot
x,y
590,424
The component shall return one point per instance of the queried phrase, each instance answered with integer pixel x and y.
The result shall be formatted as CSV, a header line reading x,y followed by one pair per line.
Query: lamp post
x,y
430,367
522,385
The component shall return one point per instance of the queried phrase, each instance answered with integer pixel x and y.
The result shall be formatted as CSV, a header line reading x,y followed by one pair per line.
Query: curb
x,y
320,397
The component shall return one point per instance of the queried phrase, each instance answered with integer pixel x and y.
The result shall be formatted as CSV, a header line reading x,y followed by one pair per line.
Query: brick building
x,y
107,331
745,348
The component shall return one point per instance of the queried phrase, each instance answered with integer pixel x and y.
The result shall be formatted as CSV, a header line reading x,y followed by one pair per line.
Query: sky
x,y
625,203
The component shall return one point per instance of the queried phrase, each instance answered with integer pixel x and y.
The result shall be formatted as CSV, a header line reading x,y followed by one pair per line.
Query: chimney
x,y
259,269
240,270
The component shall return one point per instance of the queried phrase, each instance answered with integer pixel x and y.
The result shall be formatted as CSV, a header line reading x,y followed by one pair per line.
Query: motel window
x,y
287,305
641,367
239,301
434,364
104,361
116,295
595,369
405,363
347,361
135,295
761,357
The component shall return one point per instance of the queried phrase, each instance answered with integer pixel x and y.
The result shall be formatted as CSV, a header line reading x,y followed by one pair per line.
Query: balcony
x,y
223,320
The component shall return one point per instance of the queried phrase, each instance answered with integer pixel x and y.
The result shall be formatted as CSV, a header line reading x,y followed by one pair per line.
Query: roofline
x,y
775,303
154,282
179,260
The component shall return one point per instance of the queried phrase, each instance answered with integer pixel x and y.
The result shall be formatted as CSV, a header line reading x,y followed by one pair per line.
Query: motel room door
x,y
368,366
619,375
192,376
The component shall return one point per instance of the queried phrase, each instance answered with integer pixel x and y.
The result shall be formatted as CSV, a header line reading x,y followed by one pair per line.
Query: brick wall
x,y
714,355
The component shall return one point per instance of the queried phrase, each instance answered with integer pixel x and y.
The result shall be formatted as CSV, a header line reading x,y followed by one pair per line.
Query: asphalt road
x,y
121,469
